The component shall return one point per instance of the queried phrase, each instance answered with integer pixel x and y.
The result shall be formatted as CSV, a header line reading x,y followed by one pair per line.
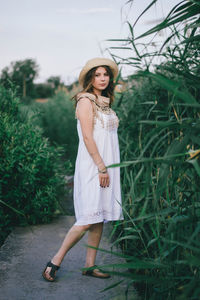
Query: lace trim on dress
x,y
101,104
101,213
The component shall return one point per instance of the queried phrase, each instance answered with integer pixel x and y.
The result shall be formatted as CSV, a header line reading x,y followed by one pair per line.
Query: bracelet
x,y
104,171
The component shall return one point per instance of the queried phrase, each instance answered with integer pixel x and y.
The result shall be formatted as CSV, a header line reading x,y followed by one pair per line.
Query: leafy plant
x,y
57,120
30,173
160,145
21,74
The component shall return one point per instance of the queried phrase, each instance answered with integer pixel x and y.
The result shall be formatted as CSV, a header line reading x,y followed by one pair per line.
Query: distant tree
x,y
48,88
22,74
73,86
43,90
55,82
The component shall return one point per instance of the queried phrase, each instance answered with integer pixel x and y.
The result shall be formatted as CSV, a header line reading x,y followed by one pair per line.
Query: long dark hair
x,y
88,87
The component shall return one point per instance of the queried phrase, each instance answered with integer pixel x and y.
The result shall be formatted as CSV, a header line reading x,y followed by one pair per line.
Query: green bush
x,y
57,120
30,173
43,90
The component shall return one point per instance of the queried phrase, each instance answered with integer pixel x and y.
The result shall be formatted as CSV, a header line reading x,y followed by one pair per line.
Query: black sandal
x,y
54,268
97,274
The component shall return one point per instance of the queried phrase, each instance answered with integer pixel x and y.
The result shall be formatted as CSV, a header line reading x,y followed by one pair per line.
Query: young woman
x,y
97,194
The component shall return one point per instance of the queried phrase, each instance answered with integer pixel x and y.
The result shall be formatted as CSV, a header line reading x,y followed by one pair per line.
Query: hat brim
x,y
97,62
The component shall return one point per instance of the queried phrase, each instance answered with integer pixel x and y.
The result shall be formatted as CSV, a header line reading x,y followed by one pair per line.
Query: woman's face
x,y
101,80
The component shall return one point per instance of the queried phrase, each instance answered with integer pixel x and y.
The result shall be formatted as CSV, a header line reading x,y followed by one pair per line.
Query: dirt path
x,y
25,253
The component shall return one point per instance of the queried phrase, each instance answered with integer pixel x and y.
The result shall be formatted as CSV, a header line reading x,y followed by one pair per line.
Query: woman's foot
x,y
96,273
49,272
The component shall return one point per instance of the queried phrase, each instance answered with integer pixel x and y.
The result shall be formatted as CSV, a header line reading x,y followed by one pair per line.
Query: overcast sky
x,y
62,35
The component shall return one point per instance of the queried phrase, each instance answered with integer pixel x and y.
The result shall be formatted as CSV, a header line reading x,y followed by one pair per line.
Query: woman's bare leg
x,y
72,237
94,237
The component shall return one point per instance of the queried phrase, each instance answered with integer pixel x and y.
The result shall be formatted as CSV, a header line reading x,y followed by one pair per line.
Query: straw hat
x,y
97,62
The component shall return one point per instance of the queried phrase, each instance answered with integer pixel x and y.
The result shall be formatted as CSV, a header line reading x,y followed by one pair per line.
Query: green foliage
x,y
160,146
57,120
21,74
30,173
55,82
48,89
43,90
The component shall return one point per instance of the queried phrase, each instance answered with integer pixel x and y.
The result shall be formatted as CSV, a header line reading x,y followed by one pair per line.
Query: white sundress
x,y
92,203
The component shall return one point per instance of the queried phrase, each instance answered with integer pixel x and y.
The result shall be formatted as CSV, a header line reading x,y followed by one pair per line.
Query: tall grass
x,y
160,147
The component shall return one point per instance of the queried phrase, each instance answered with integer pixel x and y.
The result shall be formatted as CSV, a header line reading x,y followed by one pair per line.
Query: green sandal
x,y
54,268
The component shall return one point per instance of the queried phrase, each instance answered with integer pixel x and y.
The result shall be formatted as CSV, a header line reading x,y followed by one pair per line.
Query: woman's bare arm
x,y
84,113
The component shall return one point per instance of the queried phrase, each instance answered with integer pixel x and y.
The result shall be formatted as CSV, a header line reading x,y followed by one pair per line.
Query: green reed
x,y
160,141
